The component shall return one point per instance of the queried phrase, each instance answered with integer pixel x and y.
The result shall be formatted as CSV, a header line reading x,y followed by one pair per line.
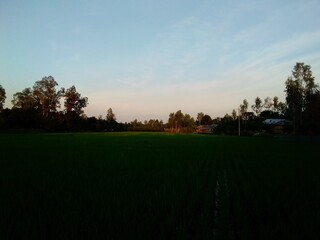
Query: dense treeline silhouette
x,y
38,108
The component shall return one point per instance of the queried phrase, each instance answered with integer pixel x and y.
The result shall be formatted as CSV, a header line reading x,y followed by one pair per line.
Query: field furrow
x,y
157,186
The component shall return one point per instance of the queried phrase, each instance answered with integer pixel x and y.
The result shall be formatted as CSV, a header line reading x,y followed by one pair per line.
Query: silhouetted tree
x,y
188,122
226,125
257,107
281,108
266,114
74,102
248,115
110,115
152,125
111,123
24,113
311,114
206,120
24,100
268,103
244,107
199,117
234,114
46,95
178,116
2,100
2,97
171,121
299,87
275,104
180,122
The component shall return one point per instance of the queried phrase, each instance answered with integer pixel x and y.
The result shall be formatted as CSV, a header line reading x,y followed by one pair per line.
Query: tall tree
x,y
180,122
2,97
294,100
46,95
110,115
171,120
244,107
303,75
275,104
73,101
188,121
267,103
199,117
207,120
299,87
282,108
178,116
257,107
234,114
24,99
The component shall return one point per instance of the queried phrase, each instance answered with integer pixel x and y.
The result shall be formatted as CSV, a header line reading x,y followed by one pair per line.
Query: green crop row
x,y
157,186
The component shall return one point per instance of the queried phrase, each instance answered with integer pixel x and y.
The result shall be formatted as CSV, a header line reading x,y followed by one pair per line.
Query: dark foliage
x,y
37,108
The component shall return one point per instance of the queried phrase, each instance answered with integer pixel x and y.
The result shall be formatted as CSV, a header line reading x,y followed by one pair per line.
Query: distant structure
x,y
277,126
277,122
204,129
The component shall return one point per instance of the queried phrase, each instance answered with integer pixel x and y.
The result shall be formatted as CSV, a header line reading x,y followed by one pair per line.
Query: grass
x,y
159,186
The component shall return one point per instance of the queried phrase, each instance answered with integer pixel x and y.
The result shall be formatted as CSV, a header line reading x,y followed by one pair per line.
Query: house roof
x,y
275,121
204,127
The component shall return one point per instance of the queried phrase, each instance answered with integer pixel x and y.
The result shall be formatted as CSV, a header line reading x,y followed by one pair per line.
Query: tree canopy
x,y
110,115
300,89
39,107
24,99
180,122
46,95
2,97
257,107
73,101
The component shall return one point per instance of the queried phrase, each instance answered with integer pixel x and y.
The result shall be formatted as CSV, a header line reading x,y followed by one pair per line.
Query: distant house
x,y
277,122
277,126
204,129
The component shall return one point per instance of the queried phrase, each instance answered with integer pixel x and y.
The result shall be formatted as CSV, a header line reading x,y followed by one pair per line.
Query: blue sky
x,y
147,58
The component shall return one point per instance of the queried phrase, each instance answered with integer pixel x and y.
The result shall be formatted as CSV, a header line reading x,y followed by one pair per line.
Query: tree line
x,y
37,108
301,107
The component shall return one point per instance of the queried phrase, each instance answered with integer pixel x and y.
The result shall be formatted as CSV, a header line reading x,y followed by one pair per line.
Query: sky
x,y
147,58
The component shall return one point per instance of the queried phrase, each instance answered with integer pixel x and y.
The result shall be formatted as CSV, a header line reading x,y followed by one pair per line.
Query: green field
x,y
158,186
